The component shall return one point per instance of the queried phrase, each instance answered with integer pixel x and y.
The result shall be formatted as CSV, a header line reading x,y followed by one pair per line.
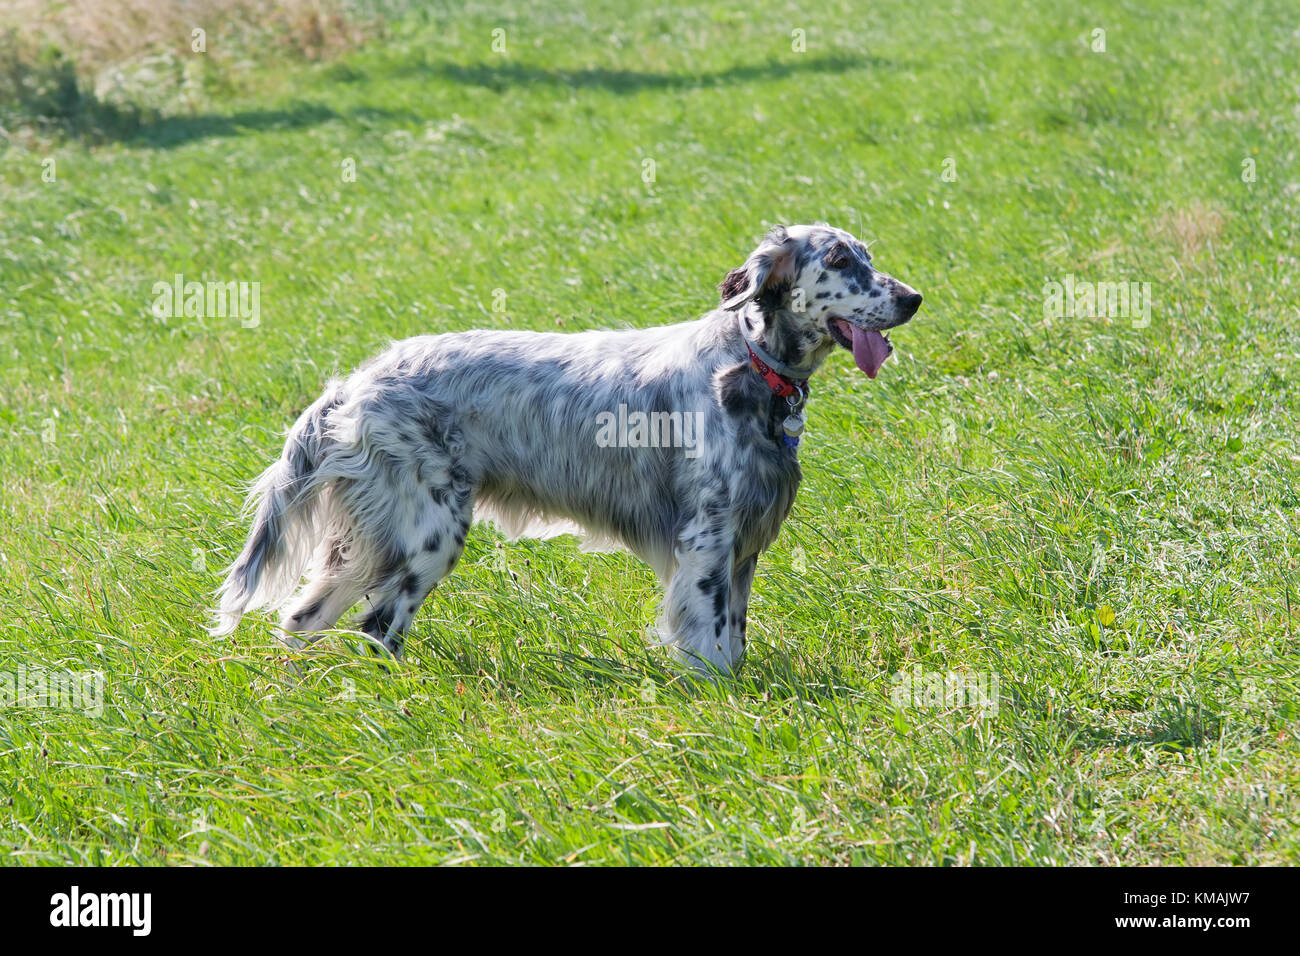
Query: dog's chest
x,y
764,481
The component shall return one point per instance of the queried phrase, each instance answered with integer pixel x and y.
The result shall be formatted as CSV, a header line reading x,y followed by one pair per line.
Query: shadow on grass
x,y
1177,730
782,678
101,123
91,120
636,669
499,76
173,131
170,131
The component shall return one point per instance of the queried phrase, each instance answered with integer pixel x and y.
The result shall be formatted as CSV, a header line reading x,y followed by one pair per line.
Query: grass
x,y
1101,515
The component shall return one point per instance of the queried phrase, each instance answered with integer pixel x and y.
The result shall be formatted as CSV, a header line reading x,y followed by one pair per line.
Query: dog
x,y
678,443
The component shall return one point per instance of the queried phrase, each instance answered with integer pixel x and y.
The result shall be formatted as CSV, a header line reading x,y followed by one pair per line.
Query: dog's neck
x,y
785,386
768,329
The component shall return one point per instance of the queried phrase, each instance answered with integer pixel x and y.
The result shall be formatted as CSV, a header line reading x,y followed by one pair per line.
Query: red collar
x,y
781,385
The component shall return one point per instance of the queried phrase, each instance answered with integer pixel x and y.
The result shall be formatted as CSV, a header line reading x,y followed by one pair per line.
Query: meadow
x,y
1095,513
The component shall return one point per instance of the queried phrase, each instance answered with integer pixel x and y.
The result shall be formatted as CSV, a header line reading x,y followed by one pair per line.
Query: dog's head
x,y
815,287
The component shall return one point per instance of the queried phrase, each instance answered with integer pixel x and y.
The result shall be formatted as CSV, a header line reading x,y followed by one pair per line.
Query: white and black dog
x,y
678,443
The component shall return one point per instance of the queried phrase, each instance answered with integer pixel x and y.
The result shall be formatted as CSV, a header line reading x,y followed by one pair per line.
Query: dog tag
x,y
793,427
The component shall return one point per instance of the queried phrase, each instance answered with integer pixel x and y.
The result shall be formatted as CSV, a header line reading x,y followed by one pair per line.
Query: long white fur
x,y
381,476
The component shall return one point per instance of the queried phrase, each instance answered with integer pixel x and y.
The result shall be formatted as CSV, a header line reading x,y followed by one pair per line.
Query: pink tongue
x,y
869,348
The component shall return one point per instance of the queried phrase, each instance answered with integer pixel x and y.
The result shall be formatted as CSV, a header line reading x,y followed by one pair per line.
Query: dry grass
x,y
101,33
1194,229
55,58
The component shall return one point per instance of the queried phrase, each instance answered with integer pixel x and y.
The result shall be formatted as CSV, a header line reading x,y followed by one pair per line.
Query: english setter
x,y
679,443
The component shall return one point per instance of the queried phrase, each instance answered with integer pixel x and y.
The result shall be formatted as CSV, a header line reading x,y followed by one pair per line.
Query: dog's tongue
x,y
869,348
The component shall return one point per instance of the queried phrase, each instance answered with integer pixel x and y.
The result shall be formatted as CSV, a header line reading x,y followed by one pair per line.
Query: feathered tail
x,y
284,532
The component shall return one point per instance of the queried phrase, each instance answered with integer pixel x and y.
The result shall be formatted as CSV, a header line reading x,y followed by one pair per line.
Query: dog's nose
x,y
908,304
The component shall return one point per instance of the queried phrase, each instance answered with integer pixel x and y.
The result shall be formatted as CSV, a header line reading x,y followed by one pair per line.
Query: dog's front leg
x,y
698,599
742,579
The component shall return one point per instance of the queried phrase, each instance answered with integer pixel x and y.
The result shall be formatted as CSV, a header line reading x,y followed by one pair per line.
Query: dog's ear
x,y
773,259
733,285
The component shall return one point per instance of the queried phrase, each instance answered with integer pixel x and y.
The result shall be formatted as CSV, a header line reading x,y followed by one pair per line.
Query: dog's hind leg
x,y
326,597
428,553
317,609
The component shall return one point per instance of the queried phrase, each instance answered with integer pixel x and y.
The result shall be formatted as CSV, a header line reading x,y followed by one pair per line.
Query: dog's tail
x,y
283,536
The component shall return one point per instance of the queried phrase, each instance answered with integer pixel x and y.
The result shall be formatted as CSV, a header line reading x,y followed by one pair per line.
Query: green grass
x,y
1102,516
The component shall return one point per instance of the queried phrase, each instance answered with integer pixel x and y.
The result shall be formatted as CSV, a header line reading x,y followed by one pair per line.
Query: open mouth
x,y
870,347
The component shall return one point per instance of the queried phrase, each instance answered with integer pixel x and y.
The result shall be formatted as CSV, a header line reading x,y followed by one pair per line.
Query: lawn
x,y
1095,512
